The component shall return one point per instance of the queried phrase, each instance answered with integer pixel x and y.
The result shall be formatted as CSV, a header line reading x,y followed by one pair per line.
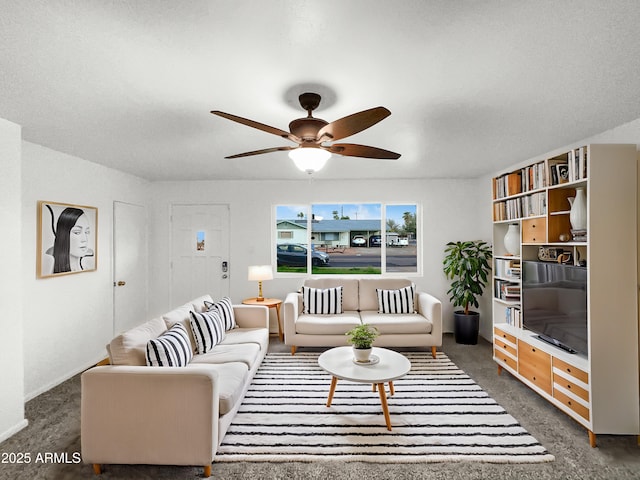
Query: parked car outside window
x,y
375,240
358,241
295,255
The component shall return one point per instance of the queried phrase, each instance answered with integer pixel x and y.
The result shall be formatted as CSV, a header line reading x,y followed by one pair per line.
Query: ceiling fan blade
x,y
258,125
352,124
354,150
259,152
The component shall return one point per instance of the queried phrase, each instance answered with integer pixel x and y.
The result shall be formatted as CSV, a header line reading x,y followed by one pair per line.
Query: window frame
x,y
308,210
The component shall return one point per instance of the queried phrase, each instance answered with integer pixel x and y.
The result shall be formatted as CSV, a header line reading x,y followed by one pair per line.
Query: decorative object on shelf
x,y
549,254
578,214
362,338
512,239
564,237
259,273
467,264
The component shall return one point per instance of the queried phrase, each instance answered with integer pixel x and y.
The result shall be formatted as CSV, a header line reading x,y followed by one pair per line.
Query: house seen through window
x,y
339,239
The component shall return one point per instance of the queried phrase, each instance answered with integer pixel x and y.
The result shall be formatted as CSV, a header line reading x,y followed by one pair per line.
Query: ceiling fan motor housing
x,y
307,128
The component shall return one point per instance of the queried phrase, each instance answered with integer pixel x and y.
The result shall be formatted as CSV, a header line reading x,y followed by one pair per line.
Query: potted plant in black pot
x,y
467,264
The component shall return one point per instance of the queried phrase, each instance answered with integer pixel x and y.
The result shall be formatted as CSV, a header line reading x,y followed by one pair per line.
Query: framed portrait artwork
x,y
67,239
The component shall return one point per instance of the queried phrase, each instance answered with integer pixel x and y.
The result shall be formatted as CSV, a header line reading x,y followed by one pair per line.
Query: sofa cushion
x,y
396,301
259,336
207,328
129,348
349,289
367,291
247,353
171,349
327,324
225,309
397,324
232,378
200,304
181,315
322,301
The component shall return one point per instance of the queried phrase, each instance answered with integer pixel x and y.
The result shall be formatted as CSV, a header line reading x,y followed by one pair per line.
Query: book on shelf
x,y
506,290
577,164
507,268
534,177
513,316
507,185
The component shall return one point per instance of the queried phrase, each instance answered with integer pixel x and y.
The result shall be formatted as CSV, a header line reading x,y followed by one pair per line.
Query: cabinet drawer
x,y
540,377
501,345
572,404
569,385
502,334
534,230
535,366
504,360
571,370
534,357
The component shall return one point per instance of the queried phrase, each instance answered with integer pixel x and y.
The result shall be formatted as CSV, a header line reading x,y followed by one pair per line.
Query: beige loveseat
x,y
360,305
138,414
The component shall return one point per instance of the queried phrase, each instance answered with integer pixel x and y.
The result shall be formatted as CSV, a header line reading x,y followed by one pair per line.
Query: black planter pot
x,y
466,327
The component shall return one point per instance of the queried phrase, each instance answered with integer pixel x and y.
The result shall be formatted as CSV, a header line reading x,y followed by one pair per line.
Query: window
x,y
339,239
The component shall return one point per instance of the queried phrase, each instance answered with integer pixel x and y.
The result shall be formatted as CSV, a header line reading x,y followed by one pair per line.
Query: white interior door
x,y
199,252
130,266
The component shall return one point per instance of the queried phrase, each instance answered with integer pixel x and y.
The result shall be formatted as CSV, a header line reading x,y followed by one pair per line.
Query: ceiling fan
x,y
310,135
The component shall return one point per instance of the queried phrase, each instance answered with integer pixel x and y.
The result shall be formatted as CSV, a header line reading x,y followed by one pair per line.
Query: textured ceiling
x,y
473,86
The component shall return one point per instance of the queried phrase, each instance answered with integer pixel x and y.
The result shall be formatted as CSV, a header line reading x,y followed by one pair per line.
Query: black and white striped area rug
x,y
438,414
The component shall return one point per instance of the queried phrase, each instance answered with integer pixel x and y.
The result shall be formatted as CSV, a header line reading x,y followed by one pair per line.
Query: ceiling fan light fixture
x,y
309,159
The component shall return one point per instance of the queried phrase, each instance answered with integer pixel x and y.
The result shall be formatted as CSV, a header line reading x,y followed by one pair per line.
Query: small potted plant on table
x,y
362,337
467,264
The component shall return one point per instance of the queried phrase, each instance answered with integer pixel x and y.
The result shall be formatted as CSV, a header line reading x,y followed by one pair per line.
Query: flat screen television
x,y
554,304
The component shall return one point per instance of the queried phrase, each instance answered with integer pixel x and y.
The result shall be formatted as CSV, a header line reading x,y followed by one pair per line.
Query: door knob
x,y
121,283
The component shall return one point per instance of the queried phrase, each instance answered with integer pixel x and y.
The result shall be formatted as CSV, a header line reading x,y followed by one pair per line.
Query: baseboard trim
x,y
13,430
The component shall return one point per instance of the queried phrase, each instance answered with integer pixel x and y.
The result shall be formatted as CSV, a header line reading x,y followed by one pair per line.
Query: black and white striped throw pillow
x,y
396,301
171,349
208,329
225,309
318,301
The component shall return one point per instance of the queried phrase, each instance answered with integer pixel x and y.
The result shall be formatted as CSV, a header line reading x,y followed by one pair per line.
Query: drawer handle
x,y
533,226
533,349
534,378
568,370
569,387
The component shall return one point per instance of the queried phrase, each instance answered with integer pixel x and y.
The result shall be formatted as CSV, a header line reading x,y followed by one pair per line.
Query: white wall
x,y
449,213
68,320
11,350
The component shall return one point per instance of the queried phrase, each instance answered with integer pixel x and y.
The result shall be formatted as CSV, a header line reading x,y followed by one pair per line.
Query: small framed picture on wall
x,y
67,239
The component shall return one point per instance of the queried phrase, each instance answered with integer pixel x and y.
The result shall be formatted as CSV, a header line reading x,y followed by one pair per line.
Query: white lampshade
x,y
258,273
309,159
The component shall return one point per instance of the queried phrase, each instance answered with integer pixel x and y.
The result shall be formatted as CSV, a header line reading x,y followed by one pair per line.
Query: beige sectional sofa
x,y
138,414
360,304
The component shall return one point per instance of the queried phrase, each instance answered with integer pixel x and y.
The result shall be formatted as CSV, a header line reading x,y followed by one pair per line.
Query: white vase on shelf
x,y
512,239
578,214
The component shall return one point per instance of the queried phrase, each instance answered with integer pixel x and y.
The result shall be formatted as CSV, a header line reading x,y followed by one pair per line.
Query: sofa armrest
x,y
149,415
251,316
291,311
431,308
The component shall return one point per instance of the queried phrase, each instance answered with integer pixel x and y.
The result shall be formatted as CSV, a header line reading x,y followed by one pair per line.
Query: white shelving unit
x,y
600,390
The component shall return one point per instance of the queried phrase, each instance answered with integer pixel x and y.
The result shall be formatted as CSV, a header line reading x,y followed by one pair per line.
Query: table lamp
x,y
258,273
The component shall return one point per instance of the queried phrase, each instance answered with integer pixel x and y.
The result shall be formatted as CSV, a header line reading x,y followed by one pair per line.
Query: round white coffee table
x,y
392,365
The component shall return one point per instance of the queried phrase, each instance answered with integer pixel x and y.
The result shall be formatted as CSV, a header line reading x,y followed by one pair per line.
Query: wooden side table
x,y
271,303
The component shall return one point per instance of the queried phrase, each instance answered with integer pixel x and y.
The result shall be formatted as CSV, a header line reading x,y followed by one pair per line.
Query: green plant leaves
x,y
467,264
